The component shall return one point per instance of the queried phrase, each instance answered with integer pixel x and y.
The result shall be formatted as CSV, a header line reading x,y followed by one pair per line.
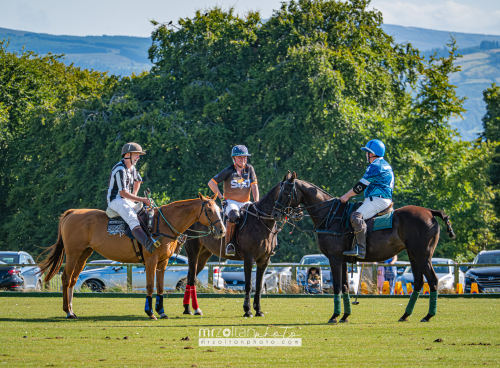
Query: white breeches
x,y
125,208
370,208
234,205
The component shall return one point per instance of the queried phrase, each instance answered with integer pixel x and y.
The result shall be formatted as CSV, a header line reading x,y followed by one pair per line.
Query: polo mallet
x,y
359,285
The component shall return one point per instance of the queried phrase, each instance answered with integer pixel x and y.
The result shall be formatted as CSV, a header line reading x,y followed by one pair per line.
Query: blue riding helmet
x,y
376,147
240,151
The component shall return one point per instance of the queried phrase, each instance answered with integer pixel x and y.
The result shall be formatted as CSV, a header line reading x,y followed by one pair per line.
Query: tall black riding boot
x,y
359,227
147,242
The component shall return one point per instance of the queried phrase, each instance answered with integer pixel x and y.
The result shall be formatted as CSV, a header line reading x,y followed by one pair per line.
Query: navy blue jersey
x,y
379,179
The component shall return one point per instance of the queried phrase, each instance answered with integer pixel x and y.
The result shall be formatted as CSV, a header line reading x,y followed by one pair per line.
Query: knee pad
x,y
233,216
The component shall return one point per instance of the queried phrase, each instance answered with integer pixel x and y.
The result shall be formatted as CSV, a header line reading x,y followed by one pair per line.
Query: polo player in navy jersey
x,y
378,185
239,179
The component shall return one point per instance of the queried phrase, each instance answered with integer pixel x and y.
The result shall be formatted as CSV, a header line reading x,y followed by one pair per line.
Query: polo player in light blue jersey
x,y
378,185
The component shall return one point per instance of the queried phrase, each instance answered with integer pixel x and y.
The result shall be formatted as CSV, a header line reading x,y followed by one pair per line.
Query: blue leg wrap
x,y
148,308
159,304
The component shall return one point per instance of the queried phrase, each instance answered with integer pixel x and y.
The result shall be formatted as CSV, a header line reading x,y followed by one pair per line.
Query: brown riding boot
x,y
359,227
230,250
147,242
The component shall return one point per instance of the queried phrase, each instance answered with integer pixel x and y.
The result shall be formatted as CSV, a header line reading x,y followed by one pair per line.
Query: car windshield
x,y
489,258
233,269
9,258
314,260
439,267
175,260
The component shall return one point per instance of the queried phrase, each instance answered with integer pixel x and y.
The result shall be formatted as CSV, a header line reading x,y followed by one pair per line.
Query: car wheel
x,y
181,285
38,285
94,285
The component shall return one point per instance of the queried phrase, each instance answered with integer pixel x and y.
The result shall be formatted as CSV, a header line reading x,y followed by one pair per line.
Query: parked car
x,y
93,265
445,272
10,277
235,277
29,273
285,272
487,278
115,275
320,259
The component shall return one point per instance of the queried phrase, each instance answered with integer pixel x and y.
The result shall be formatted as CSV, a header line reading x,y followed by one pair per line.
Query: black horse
x,y
255,236
414,229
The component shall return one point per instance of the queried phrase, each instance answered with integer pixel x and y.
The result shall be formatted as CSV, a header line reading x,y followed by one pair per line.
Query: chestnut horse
x,y
81,231
414,229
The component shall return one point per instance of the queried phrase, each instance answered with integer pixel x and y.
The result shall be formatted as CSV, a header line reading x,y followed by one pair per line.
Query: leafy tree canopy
x,y
303,90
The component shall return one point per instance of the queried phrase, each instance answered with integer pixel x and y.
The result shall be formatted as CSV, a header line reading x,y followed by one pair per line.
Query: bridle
x,y
284,208
211,225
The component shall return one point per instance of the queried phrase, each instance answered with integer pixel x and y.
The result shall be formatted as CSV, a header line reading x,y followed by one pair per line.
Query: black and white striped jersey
x,y
121,179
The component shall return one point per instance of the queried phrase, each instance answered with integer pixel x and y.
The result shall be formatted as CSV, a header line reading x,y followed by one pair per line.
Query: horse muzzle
x,y
219,232
277,215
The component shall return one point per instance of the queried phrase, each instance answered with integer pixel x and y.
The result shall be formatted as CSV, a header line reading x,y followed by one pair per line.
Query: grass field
x,y
34,332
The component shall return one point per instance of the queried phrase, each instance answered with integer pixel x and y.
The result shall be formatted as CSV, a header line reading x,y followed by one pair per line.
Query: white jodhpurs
x,y
125,208
370,208
234,205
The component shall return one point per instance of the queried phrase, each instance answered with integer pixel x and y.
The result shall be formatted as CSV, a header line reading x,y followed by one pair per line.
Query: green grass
x,y
372,337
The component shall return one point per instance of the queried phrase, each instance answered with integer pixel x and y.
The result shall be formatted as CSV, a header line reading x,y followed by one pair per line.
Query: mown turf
x,y
468,328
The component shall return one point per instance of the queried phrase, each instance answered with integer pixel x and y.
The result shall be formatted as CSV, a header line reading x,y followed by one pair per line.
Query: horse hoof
x,y
163,316
259,314
71,316
424,320
333,320
153,317
343,321
187,312
198,312
248,315
403,319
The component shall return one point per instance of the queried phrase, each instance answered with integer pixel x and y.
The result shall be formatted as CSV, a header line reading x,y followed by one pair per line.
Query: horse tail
x,y
446,220
56,256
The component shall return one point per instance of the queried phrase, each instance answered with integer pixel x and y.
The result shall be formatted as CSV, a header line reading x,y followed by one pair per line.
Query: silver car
x,y
115,275
235,277
444,271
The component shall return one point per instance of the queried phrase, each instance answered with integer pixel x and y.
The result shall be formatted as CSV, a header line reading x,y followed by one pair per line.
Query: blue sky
x,y
130,17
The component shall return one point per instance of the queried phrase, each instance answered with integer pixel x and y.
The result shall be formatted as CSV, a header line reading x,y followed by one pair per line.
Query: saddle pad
x,y
119,226
383,222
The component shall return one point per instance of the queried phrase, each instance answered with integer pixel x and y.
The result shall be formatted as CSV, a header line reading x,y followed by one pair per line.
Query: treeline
x,y
444,51
303,91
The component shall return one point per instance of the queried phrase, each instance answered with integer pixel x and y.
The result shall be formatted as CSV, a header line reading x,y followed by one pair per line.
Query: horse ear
x,y
294,176
201,196
214,196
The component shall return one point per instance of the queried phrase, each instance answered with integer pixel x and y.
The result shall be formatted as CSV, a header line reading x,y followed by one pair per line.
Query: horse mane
x,y
318,188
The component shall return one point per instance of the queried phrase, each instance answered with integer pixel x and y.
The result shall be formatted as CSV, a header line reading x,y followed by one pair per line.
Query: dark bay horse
x,y
256,240
414,229
81,231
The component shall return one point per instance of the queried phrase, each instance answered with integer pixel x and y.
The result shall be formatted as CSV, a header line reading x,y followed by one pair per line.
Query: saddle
x,y
117,225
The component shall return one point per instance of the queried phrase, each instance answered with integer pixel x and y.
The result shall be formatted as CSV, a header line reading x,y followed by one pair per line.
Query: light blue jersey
x,y
379,179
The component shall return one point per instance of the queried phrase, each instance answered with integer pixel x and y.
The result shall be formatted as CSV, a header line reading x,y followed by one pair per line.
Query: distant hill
x,y
480,67
123,55
120,55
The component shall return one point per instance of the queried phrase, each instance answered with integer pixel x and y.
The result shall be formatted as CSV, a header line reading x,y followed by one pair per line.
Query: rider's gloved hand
x,y
223,202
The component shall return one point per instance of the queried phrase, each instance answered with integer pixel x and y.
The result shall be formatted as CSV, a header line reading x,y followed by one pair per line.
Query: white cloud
x,y
457,16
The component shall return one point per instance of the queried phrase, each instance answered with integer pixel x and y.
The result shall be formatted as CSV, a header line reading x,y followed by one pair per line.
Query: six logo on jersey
x,y
240,183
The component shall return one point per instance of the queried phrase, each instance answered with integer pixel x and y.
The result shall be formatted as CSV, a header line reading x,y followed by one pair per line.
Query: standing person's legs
x,y
392,283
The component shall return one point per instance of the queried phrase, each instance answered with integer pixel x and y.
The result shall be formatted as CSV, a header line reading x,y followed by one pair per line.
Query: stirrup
x,y
353,252
230,253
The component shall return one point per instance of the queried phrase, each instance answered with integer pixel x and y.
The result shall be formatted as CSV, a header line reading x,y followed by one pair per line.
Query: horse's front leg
x,y
336,269
261,269
345,293
248,265
160,277
151,264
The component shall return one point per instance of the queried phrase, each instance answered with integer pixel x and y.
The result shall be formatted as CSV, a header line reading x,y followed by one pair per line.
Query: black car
x,y
29,271
10,277
487,278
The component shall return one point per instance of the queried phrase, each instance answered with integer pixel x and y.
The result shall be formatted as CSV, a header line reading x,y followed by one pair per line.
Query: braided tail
x,y
446,220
